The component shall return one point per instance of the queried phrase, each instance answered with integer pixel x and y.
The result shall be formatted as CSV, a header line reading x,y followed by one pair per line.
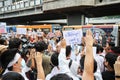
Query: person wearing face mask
x,y
11,62
17,44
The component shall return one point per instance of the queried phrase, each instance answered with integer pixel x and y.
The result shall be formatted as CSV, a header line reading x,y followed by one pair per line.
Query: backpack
x,y
70,63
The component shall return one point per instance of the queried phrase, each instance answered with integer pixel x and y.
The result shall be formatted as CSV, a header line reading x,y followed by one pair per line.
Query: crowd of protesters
x,y
42,58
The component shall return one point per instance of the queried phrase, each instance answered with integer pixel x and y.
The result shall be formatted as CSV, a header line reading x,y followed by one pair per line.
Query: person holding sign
x,y
64,61
89,60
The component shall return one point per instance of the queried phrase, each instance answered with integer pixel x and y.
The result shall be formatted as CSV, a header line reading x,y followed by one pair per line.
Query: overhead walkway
x,y
75,11
102,20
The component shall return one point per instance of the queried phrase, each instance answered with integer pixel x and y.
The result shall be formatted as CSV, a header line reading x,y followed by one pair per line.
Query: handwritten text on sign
x,y
73,36
21,30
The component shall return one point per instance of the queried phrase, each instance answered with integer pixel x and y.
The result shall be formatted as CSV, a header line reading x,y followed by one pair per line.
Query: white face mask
x,y
79,76
23,64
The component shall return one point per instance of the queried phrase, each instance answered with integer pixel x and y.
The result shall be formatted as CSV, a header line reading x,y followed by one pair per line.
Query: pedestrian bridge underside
x,y
26,12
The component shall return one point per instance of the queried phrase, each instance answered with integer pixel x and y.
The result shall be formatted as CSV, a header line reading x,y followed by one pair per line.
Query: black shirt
x,y
108,75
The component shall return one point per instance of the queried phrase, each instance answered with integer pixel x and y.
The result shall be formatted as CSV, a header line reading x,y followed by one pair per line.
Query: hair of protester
x,y
116,50
54,58
82,60
40,46
12,76
10,68
61,77
99,49
14,43
2,48
68,50
7,56
111,44
2,41
111,58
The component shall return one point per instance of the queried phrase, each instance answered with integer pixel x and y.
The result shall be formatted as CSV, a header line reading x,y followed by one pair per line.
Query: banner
x,y
73,36
11,29
3,28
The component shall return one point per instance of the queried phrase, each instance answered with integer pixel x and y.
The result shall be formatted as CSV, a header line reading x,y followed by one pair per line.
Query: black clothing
x,y
108,75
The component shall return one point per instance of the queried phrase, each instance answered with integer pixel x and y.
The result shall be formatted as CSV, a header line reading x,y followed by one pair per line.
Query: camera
x,y
30,45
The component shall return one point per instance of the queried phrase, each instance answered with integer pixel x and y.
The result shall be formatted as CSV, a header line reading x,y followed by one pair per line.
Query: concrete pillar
x,y
75,19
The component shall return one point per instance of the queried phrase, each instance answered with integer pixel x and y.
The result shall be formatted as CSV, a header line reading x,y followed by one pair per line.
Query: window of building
x,y
16,0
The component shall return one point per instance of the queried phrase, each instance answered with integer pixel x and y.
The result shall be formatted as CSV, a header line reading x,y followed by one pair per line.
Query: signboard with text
x,y
73,36
21,31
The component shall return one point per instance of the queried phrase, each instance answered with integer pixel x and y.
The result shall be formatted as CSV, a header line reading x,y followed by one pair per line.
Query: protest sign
x,y
3,28
73,36
21,31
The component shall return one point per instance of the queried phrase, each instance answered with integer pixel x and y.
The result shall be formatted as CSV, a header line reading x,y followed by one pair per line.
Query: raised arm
x,y
62,55
89,60
63,62
40,71
117,68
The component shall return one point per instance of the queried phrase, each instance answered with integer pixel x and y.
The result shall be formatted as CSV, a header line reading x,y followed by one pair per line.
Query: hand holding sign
x,y
89,39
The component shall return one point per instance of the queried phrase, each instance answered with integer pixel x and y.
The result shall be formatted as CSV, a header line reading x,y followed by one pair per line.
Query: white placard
x,y
73,36
97,35
39,33
21,31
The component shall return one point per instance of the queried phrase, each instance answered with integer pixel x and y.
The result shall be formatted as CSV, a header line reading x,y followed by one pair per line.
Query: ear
x,y
14,65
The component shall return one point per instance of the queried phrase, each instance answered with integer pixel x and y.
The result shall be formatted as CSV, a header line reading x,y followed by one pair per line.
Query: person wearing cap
x,y
11,62
16,43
